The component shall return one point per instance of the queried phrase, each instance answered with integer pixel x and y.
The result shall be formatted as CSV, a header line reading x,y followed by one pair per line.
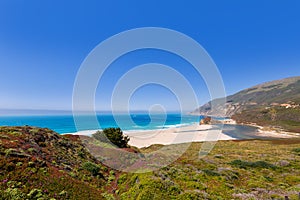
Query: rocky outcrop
x,y
205,121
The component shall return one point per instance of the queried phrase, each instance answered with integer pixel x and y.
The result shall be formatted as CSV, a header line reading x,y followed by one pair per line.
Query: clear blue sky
x,y
43,43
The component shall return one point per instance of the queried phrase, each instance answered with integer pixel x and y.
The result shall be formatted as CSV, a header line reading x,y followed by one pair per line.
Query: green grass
x,y
285,118
62,168
241,170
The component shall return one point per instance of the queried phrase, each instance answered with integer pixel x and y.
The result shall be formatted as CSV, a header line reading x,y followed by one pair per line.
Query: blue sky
x,y
43,43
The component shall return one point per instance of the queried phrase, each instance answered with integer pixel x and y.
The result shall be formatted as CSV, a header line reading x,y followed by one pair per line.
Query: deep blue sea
x,y
65,123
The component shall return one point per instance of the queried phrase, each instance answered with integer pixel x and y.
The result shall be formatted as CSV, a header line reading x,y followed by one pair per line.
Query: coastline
x,y
186,134
269,132
263,131
173,135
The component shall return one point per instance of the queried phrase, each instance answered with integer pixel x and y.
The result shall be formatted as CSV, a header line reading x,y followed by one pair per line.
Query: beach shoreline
x,y
174,135
269,132
182,134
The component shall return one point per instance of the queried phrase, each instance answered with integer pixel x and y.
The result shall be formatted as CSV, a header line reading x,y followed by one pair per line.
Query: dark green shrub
x,y
81,154
114,135
263,164
297,150
210,172
257,164
91,167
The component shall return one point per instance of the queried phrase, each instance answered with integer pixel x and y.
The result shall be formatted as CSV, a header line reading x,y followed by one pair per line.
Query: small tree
x,y
115,135
91,167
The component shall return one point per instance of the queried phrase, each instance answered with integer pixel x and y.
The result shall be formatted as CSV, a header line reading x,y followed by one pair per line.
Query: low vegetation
x,y
276,116
233,170
40,164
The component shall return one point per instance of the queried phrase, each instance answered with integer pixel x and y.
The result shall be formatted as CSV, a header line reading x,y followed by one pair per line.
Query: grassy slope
x,y
280,91
288,119
37,163
248,106
233,170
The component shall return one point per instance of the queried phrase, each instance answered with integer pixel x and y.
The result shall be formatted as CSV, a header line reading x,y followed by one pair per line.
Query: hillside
x,y
38,163
272,103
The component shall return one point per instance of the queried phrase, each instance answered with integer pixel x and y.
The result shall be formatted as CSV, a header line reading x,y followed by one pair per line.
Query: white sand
x,y
191,133
184,134
276,134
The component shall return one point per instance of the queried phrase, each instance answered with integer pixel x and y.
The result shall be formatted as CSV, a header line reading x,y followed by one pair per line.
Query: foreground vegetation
x,y
40,164
233,170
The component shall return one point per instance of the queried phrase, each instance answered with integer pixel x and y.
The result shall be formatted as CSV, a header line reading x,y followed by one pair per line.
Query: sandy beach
x,y
184,134
191,133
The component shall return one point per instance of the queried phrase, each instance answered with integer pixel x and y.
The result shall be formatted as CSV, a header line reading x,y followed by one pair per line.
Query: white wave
x,y
130,131
175,125
85,132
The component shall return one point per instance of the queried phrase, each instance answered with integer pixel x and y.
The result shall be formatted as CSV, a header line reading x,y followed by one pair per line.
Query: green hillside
x,y
256,104
39,164
280,91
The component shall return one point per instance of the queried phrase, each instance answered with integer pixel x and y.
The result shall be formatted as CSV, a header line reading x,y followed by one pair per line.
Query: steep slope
x,y
37,163
285,91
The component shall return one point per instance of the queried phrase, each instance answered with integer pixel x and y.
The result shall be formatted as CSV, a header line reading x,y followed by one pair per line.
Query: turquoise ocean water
x,y
65,123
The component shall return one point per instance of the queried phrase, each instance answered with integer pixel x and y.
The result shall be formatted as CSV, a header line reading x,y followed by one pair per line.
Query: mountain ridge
x,y
283,91
273,104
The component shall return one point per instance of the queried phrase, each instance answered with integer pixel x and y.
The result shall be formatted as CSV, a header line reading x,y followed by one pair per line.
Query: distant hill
x,y
258,103
285,91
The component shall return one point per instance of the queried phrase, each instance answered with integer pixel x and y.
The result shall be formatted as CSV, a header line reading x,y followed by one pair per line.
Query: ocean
x,y
65,123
